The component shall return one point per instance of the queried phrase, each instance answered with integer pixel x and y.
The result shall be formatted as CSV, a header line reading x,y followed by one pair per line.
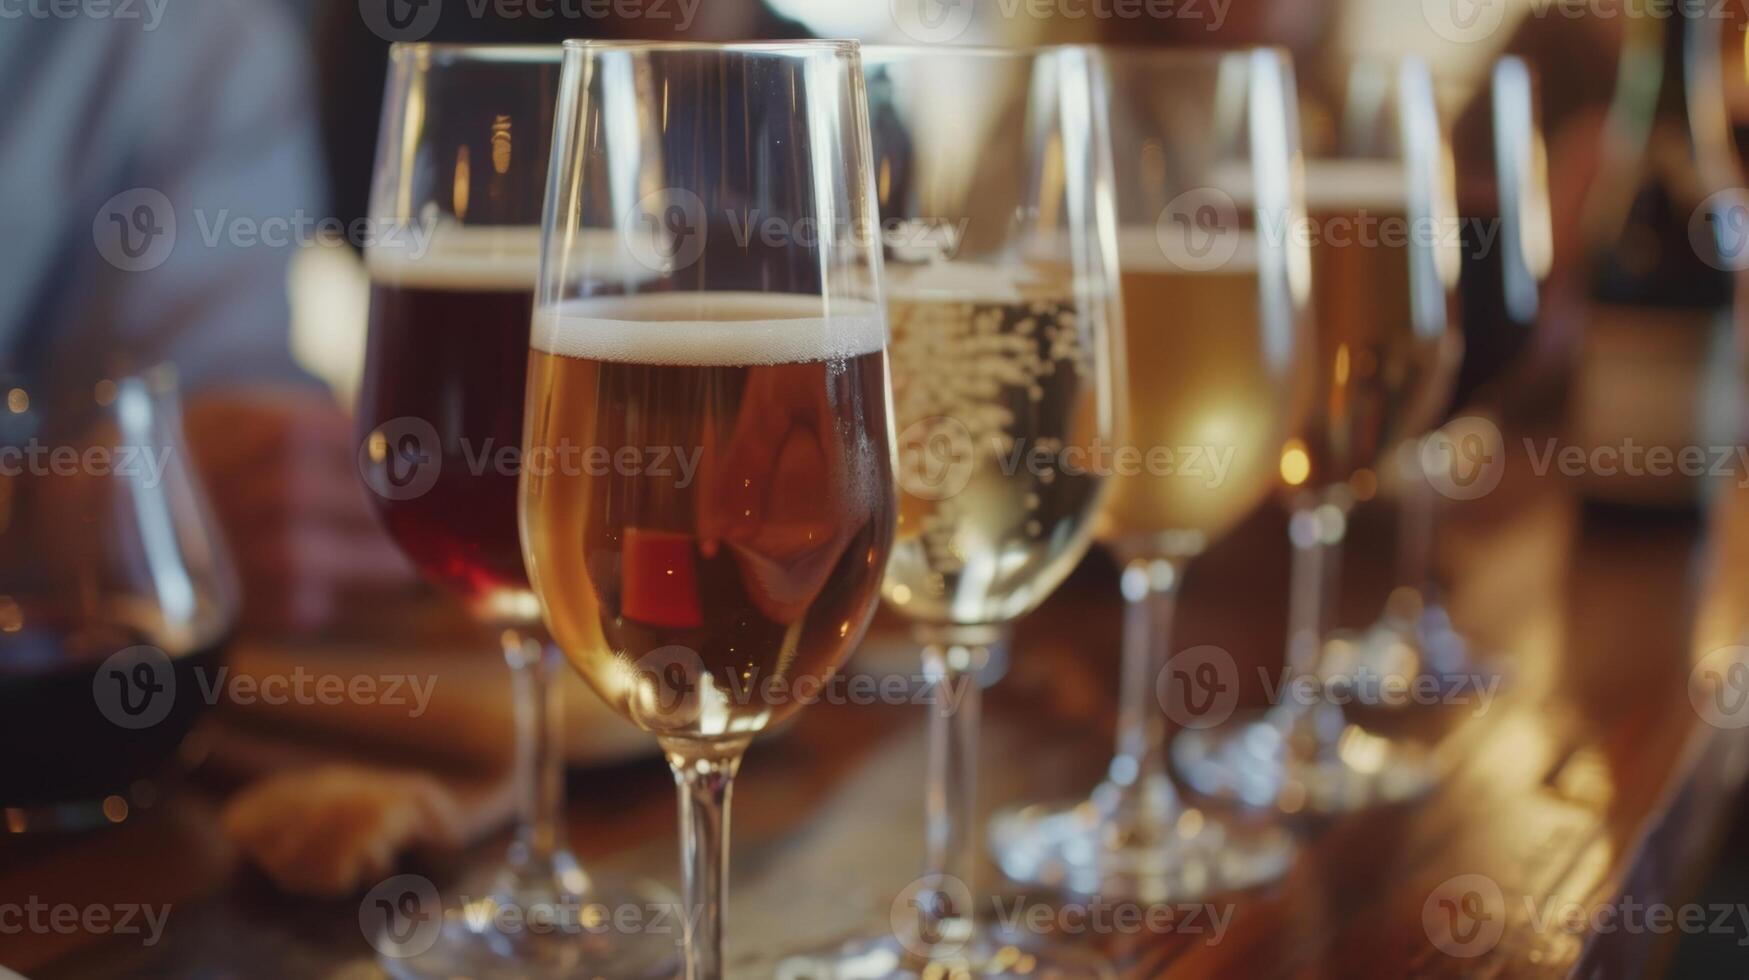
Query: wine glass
x,y
1219,354
1383,228
1501,168
117,597
705,601
453,255
997,228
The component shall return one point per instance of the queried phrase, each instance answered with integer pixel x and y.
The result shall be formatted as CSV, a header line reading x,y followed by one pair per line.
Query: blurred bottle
x,y
1655,388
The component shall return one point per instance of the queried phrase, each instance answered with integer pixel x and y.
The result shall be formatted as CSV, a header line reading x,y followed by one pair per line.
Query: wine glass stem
x,y
705,779
538,707
1144,796
1316,531
1415,523
953,657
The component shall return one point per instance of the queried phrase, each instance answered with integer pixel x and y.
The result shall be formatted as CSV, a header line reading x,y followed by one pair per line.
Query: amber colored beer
x,y
1386,353
708,499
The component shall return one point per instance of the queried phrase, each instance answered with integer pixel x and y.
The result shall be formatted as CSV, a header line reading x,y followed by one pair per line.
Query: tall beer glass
x,y
997,229
1382,227
453,253
1218,353
707,495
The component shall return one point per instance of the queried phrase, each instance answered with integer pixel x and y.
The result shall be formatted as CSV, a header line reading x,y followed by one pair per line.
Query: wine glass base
x,y
1248,761
520,925
994,955
1076,848
1406,652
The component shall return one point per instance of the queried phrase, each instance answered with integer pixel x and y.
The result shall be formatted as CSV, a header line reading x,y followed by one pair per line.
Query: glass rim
x,y
484,53
780,47
1018,51
1140,54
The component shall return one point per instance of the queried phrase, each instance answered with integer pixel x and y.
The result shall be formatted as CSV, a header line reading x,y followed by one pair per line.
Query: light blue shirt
x,y
202,110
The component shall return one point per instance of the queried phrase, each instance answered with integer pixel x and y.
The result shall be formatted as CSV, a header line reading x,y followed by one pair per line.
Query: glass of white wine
x,y
1218,358
1501,167
1383,228
704,601
997,230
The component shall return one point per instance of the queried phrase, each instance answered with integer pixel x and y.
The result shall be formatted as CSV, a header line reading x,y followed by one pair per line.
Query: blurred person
x,y
160,166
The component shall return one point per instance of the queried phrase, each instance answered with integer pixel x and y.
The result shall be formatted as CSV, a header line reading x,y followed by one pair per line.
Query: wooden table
x,y
1593,778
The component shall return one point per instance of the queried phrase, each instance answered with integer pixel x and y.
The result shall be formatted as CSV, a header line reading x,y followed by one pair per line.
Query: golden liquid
x,y
713,607
987,394
1381,371
1207,385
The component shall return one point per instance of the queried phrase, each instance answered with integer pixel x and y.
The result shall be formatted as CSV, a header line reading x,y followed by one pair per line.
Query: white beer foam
x,y
455,257
716,329
474,257
1145,249
1333,185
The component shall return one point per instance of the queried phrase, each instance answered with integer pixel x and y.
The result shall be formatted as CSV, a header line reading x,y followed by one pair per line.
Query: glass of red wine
x,y
116,599
453,255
